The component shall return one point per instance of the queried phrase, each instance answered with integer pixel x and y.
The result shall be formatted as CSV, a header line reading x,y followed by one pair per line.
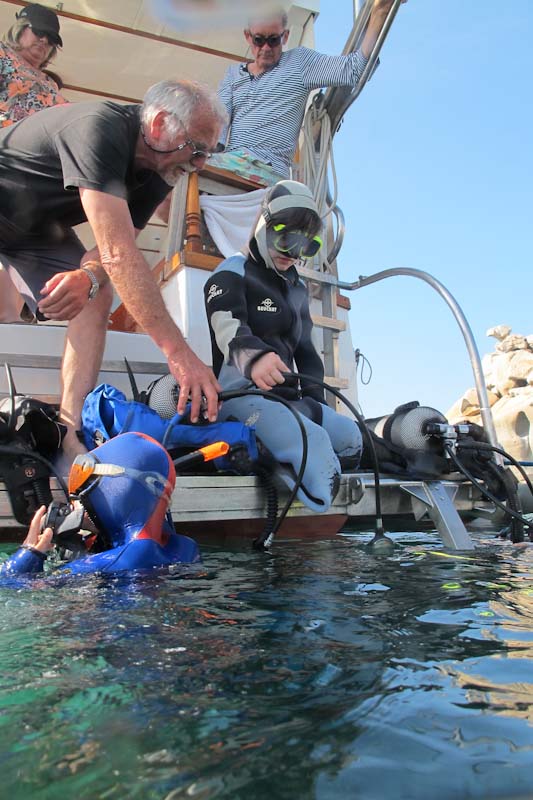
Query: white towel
x,y
229,218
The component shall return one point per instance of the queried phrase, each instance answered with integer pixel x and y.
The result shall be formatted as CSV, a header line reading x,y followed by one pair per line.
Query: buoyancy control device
x,y
30,437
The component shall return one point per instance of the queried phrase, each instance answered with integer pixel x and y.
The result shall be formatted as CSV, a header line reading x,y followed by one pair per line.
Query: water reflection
x,y
318,671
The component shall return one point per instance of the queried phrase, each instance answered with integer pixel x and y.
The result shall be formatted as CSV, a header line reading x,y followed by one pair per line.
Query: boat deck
x,y
225,508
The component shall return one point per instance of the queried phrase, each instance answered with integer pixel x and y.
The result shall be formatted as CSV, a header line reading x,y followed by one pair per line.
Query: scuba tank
x,y
403,444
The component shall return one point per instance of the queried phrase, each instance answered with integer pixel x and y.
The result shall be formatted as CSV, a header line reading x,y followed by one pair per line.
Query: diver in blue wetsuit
x,y
124,487
258,312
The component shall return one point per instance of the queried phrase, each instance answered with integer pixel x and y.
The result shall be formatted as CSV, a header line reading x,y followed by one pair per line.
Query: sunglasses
x,y
294,244
274,40
40,34
197,150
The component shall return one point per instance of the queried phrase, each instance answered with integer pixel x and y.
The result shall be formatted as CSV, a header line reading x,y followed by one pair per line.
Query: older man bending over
x,y
110,165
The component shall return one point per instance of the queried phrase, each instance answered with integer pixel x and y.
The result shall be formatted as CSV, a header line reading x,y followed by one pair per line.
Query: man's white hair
x,y
278,12
182,100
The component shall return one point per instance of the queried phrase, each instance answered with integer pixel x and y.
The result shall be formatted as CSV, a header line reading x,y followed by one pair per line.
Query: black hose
x,y
513,461
16,451
269,487
485,492
364,430
264,540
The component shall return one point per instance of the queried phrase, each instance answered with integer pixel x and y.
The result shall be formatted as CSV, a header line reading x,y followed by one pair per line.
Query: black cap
x,y
42,19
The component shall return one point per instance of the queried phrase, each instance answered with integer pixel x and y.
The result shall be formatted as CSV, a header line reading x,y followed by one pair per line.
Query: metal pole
x,y
484,407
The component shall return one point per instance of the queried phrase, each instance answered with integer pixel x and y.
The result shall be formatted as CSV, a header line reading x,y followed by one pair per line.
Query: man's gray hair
x,y
181,100
276,13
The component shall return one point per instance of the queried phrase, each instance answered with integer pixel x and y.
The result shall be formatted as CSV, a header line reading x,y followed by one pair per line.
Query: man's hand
x,y
266,372
65,295
383,6
41,541
195,379
380,9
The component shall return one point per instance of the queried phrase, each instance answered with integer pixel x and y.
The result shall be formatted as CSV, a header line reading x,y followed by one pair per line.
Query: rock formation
x,y
508,375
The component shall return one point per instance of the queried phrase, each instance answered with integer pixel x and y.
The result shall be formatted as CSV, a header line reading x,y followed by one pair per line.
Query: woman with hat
x,y
26,87
258,312
25,51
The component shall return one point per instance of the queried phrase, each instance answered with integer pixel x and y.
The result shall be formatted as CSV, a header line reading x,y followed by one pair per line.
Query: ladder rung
x,y
337,383
328,322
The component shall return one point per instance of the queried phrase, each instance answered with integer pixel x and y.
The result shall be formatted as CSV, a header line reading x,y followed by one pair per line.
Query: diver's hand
x,y
41,541
65,294
266,372
195,379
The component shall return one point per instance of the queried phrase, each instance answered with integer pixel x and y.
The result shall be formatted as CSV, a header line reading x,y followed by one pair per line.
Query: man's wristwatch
x,y
93,291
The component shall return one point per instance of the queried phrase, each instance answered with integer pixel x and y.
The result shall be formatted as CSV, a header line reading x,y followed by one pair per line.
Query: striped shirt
x,y
266,111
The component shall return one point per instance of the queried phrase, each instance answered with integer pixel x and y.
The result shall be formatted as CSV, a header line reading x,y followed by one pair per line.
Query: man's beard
x,y
173,175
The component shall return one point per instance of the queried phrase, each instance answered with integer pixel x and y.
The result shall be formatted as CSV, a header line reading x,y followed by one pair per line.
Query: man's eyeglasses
x,y
294,244
274,40
197,150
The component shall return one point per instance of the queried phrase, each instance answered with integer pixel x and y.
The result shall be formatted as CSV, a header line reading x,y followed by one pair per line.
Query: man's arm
x,y
113,230
377,18
319,70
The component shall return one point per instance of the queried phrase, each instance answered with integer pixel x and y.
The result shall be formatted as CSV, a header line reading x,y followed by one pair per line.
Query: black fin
x,y
12,420
133,382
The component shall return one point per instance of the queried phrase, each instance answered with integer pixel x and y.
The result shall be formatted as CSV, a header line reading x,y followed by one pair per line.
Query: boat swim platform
x,y
228,508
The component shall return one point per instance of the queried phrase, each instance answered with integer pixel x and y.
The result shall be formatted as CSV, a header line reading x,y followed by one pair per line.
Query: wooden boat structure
x,y
98,37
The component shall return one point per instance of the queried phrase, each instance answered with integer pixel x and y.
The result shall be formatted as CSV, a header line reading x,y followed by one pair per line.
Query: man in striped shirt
x,y
266,98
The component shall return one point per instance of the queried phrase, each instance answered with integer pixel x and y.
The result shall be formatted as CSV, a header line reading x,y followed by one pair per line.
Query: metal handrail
x,y
475,360
337,100
339,239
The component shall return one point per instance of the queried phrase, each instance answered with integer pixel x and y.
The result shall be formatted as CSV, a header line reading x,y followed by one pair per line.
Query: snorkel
x,y
284,196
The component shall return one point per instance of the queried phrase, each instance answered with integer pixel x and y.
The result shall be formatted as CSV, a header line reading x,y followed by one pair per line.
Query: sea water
x,y
320,670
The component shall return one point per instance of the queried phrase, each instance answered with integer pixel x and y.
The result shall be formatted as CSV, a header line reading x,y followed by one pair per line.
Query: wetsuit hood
x,y
283,196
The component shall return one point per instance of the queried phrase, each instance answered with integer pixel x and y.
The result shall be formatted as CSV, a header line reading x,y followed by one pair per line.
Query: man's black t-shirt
x,y
47,157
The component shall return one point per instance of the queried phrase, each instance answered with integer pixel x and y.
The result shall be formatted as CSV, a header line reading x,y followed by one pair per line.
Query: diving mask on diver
x,y
293,244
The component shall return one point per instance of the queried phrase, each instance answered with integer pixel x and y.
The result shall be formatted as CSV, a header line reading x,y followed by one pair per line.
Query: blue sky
x,y
435,169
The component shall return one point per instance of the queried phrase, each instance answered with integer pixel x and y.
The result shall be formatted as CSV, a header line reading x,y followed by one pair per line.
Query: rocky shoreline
x,y
508,373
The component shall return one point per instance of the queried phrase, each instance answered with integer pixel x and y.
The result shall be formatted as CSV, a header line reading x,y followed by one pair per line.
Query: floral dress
x,y
23,89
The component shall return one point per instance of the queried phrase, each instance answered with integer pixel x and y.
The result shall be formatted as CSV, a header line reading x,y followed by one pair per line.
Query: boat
x,y
145,40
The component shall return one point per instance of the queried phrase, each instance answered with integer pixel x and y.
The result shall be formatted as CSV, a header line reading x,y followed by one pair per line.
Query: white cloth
x,y
230,218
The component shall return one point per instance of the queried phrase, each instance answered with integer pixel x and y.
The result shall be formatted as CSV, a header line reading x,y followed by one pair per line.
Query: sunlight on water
x,y
321,671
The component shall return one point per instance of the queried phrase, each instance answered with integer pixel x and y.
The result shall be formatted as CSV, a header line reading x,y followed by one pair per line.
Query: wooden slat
x,y
328,322
54,362
338,383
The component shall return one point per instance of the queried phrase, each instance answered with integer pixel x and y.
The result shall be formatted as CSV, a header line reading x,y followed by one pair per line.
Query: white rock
x,y
513,342
522,391
521,365
499,331
513,419
500,373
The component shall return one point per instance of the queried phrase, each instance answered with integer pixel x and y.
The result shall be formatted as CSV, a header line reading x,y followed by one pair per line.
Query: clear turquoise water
x,y
320,671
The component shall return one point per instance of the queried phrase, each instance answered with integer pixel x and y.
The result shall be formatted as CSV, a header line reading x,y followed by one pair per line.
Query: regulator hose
x,y
516,535
367,434
266,537
16,451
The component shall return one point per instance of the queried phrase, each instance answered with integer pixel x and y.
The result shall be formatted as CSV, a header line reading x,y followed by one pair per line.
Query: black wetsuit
x,y
253,310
